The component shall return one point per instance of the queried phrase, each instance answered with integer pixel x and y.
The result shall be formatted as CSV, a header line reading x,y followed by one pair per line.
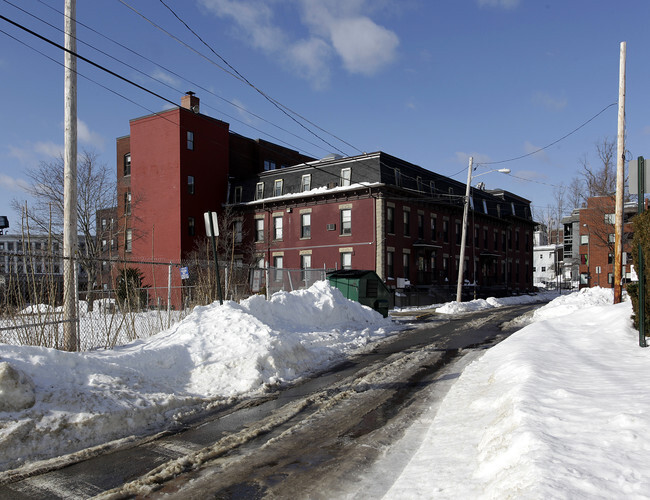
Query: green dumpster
x,y
361,286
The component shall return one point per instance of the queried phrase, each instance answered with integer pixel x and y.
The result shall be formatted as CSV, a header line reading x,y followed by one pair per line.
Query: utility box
x,y
365,287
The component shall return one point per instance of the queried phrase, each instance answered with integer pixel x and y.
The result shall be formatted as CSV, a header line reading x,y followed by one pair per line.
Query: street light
x,y
461,263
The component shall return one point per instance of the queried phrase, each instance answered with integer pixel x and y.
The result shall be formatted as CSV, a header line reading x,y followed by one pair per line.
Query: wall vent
x,y
331,227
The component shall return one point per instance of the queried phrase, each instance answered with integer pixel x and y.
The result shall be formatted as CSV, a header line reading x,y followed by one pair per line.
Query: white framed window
x,y
190,140
277,187
305,225
346,174
128,240
610,218
277,227
238,231
346,221
278,261
305,263
584,239
305,183
346,260
259,229
259,191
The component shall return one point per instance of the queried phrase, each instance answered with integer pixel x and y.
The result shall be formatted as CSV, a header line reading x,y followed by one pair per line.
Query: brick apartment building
x,y
597,238
372,211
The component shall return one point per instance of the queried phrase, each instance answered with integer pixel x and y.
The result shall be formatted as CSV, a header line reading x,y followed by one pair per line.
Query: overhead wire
x,y
172,72
235,75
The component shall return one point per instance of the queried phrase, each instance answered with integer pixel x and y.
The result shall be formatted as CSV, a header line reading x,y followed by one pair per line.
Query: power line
x,y
235,75
552,143
235,105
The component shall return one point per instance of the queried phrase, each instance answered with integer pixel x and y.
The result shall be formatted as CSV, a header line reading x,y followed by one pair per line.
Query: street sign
x,y
215,224
185,273
633,182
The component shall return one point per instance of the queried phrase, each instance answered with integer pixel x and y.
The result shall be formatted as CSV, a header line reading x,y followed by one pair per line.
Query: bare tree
x,y
96,190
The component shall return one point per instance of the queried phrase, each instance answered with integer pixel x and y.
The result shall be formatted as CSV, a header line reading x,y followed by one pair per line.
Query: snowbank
x,y
57,402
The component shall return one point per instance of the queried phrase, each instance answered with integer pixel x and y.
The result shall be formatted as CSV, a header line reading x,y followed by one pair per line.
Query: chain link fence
x,y
126,300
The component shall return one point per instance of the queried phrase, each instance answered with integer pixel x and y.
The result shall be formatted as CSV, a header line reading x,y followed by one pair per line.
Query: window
x,y
346,260
259,191
104,243
190,140
346,221
128,240
434,228
238,194
611,238
610,218
127,203
104,224
584,239
259,229
190,226
445,231
190,184
485,237
305,183
458,232
485,210
277,263
346,174
305,225
406,263
127,164
432,186
277,187
398,177
406,216
305,263
390,264
238,231
390,220
418,180
277,227
421,226
543,268
269,165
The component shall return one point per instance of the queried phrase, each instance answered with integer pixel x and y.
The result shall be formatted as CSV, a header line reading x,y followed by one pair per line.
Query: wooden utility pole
x,y
620,181
461,261
70,182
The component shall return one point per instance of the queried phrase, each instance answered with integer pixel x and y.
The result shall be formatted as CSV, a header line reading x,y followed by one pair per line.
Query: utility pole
x,y
461,262
70,182
620,181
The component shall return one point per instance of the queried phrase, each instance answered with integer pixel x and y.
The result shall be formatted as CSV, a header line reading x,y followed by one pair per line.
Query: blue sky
x,y
429,81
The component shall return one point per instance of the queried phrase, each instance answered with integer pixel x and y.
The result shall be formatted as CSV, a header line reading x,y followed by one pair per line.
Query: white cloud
x,y
165,77
503,4
85,135
48,149
529,147
364,46
12,183
548,101
333,27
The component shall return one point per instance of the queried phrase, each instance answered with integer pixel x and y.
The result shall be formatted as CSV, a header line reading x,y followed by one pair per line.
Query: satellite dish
x,y
195,109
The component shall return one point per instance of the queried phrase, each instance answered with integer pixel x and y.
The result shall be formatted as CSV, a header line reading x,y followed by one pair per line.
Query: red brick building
x,y
373,211
597,238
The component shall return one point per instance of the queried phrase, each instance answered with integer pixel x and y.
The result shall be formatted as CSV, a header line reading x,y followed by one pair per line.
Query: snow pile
x,y
491,302
557,410
56,402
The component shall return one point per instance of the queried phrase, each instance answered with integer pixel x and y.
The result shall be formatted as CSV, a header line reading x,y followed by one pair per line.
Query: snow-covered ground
x,y
557,410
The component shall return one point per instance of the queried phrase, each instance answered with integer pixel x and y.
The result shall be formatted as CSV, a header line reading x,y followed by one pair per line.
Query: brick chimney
x,y
191,102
